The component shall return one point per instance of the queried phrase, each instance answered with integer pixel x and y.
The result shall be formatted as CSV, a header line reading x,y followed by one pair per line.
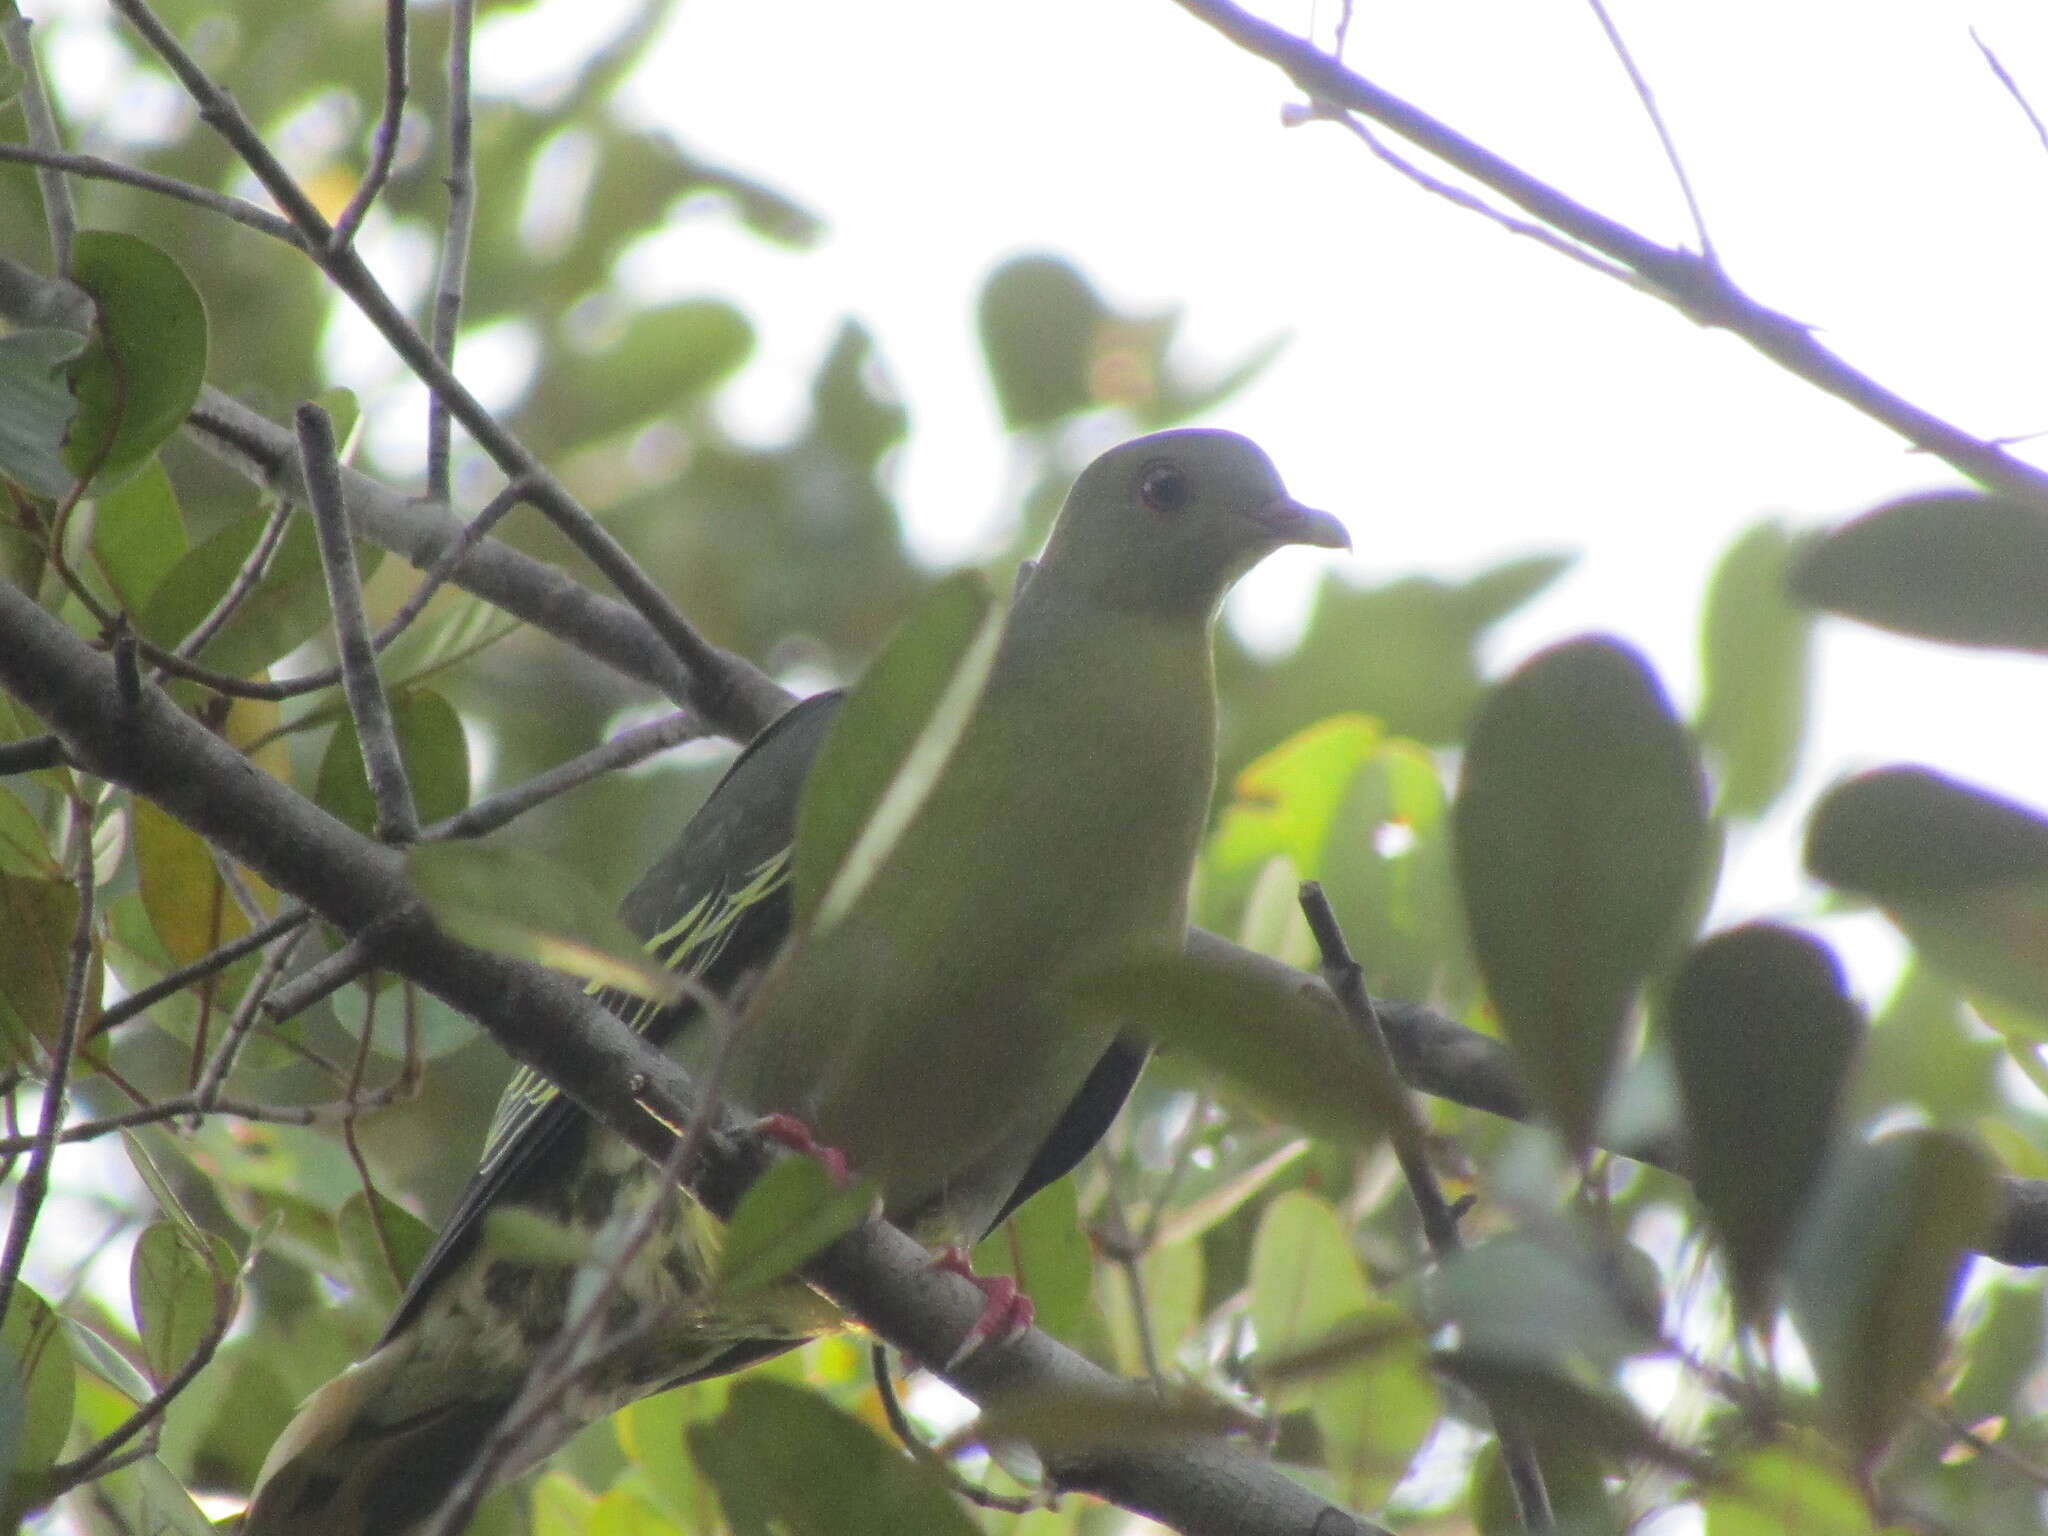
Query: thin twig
x,y
58,209
94,168
2012,87
186,1106
628,747
384,141
215,960
1112,1233
252,571
245,1015
372,1201
330,975
452,278
1657,123
1409,1135
906,1433
35,1178
398,820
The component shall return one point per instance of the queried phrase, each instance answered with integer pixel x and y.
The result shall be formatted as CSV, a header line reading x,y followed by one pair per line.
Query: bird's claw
x,y
1005,1316
795,1135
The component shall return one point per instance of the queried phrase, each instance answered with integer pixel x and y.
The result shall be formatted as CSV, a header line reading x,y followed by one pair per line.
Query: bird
x,y
922,1036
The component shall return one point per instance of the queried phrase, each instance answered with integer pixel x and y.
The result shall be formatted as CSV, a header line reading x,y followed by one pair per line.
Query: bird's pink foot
x,y
1005,1315
795,1135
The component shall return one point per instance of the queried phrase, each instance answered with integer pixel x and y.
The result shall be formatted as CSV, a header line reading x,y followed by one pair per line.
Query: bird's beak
x,y
1291,523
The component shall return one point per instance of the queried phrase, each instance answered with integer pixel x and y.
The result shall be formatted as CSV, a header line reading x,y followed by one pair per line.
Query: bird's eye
x,y
1163,488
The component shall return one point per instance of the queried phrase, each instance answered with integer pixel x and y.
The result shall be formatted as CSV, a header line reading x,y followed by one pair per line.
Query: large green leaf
x,y
1959,566
146,360
430,743
1579,834
36,1387
1763,1036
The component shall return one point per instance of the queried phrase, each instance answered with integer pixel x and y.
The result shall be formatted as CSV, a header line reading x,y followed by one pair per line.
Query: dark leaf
x,y
146,360
1756,653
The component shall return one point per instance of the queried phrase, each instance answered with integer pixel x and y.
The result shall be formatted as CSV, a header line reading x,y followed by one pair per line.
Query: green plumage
x,y
919,1029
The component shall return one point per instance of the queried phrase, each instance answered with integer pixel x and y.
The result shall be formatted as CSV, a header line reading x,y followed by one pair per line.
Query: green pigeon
x,y
919,1035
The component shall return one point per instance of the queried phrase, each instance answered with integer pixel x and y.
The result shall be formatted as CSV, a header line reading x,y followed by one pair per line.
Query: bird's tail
x,y
337,1471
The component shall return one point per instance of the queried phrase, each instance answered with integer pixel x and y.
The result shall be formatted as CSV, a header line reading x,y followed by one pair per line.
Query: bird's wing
x,y
716,907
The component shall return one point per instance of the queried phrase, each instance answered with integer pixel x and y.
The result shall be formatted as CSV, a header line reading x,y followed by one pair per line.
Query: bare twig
x,y
58,209
1683,279
1410,1138
628,747
453,275
220,959
384,140
2012,88
252,571
354,958
207,1091
94,168
35,1178
398,820
372,1201
907,1435
1656,116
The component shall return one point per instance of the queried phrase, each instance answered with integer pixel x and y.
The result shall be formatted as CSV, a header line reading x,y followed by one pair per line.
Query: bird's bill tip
x,y
1292,523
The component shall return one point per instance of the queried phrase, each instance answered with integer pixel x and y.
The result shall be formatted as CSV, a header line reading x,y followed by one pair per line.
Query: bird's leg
x,y
1005,1315
795,1135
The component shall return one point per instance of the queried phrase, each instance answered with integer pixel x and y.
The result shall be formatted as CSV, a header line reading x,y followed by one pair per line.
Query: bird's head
x,y
1169,522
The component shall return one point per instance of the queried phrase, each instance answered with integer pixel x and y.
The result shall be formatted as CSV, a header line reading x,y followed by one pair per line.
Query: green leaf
x,y
1963,871
36,1387
1579,833
403,1243
1877,1271
785,1459
36,407
188,904
1779,1492
1308,1289
430,743
1574,1479
147,358
508,898
24,850
172,1287
1261,1029
1546,1301
1958,566
1588,1417
38,917
889,744
792,1213
138,535
1763,1036
1041,325
1756,653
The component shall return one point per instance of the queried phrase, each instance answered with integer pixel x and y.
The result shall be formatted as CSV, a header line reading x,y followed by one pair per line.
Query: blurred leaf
x,y
792,1212
2001,1354
36,1388
1546,1302
1763,1036
172,1288
652,1433
1579,829
1285,803
1573,1477
1041,324
138,535
38,917
142,369
1778,1492
371,1257
36,407
1963,871
399,1014
430,743
508,898
1268,1035
889,744
1958,566
24,851
188,904
94,1353
1877,1270
1554,1406
784,1458
1044,1249
1921,1050
1171,1276
1756,654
